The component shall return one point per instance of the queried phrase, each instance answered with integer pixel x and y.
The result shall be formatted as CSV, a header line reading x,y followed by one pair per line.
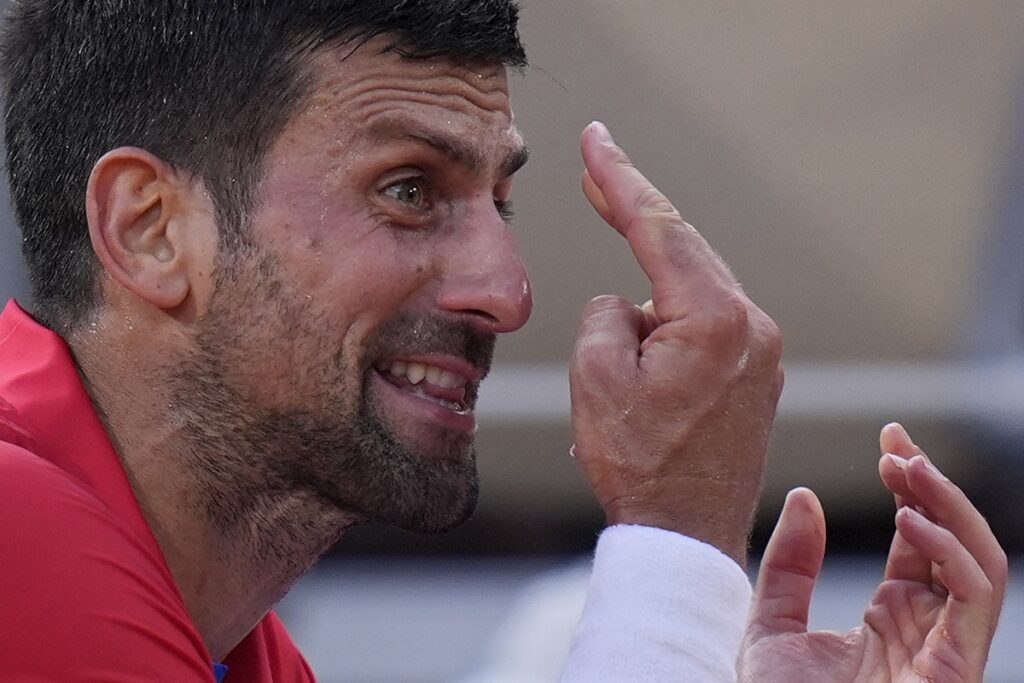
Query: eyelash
x,y
505,209
503,206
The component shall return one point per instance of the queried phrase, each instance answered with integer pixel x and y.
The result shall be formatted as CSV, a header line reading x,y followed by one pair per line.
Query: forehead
x,y
366,93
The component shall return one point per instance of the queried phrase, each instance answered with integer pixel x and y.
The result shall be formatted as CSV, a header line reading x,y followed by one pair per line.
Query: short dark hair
x,y
206,85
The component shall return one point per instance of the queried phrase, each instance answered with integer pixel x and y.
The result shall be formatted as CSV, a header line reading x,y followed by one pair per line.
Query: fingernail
x,y
793,520
912,515
900,432
898,461
602,132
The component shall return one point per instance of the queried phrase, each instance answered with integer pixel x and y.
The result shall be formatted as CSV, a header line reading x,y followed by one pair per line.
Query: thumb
x,y
789,568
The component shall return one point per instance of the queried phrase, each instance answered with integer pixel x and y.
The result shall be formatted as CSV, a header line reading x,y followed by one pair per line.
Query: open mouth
x,y
443,389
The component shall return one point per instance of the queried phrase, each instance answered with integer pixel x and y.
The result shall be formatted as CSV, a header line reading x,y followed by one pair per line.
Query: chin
x,y
434,443
447,506
416,477
443,490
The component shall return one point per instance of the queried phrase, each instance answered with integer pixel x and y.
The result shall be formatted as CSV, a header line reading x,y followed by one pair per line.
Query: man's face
x,y
342,350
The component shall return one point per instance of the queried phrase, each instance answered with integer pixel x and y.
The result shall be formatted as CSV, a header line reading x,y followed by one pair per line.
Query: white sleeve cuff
x,y
660,607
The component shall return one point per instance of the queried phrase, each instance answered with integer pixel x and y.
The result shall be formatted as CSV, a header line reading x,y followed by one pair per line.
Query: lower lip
x,y
426,410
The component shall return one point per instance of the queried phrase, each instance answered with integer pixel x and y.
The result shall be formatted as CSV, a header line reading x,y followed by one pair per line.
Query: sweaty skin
x,y
672,406
248,392
672,402
355,255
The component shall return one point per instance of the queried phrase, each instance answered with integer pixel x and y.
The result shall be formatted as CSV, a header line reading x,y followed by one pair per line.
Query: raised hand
x,y
672,402
931,619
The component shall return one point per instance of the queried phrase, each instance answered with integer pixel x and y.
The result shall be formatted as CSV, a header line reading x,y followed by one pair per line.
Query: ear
x,y
136,206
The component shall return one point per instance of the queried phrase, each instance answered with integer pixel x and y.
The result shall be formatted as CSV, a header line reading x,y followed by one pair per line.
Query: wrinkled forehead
x,y
484,85
366,89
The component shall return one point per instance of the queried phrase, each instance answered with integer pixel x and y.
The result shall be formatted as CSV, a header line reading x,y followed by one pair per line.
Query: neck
x,y
234,543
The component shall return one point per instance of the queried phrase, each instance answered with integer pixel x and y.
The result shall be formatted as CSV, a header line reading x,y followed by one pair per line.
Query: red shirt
x,y
85,592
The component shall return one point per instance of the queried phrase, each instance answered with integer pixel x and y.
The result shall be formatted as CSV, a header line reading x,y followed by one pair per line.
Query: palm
x,y
930,621
897,631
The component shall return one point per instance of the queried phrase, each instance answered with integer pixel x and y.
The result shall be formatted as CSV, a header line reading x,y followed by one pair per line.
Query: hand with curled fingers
x,y
672,402
932,618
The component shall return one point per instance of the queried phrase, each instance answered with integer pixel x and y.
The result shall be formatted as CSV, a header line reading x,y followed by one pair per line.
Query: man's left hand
x,y
932,618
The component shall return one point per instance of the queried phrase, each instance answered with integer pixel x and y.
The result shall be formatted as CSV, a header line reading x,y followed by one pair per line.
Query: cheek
x,y
345,266
380,268
365,286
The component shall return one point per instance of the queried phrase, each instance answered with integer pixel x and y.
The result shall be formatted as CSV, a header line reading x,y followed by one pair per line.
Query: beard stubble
x,y
312,428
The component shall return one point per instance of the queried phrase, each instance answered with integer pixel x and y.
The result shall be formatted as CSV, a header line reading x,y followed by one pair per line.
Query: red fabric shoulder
x,y
268,655
10,429
83,599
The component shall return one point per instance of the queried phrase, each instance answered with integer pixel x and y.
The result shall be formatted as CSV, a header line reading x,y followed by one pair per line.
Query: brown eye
x,y
410,192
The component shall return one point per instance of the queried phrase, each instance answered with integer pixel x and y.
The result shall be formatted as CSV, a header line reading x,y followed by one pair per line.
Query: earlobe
x,y
133,205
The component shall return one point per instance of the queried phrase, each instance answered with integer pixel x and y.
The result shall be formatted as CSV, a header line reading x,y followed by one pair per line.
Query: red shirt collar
x,y
45,409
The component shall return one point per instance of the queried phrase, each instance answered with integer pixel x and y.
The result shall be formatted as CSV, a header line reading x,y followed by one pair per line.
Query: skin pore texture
x,y
265,399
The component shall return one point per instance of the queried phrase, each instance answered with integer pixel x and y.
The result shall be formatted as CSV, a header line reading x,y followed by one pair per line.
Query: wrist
x,y
731,537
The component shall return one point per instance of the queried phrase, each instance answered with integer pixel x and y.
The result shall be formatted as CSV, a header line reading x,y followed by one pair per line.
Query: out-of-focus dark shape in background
x,y
13,283
861,167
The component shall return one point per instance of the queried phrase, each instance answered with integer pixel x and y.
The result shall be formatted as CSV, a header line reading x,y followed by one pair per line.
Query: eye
x,y
505,210
412,192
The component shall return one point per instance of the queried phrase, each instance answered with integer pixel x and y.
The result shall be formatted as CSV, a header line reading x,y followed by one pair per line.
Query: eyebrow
x,y
454,148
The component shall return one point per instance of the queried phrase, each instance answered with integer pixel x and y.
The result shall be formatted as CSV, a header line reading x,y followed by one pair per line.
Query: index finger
x,y
676,258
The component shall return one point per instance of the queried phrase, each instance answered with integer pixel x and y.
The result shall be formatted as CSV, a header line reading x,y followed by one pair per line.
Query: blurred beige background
x,y
845,158
841,156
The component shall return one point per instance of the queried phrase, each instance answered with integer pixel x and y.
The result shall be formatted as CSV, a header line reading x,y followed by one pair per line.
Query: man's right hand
x,y
672,402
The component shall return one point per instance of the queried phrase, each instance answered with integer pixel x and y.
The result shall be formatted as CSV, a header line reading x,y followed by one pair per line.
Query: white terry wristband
x,y
660,607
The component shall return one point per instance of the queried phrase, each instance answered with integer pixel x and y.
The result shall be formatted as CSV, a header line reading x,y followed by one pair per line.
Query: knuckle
x,y
603,303
605,332
780,382
768,337
986,590
619,156
651,203
588,358
1001,567
593,354
729,319
735,311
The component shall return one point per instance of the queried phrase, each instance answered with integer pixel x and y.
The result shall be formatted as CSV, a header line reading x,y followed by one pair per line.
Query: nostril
x,y
490,318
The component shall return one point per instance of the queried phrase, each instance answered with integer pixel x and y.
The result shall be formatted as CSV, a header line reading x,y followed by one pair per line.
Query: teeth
x,y
417,372
439,401
449,380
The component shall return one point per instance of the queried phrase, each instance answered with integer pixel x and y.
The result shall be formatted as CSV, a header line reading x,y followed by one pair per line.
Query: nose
x,y
484,276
